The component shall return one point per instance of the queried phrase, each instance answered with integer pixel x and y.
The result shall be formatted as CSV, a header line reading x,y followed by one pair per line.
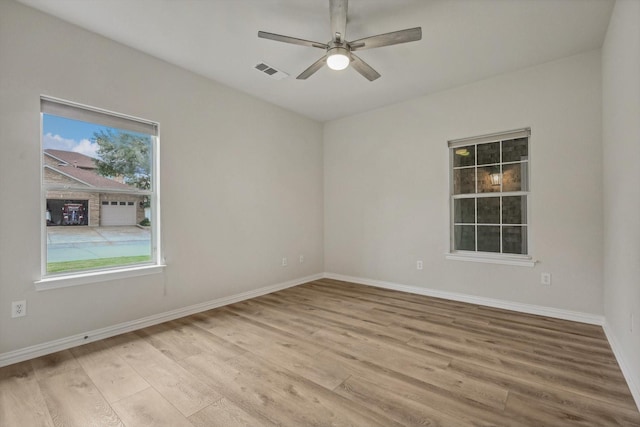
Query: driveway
x,y
70,243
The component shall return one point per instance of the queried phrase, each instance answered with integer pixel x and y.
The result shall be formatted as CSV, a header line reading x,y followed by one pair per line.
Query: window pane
x,y
464,181
489,153
464,156
514,177
489,179
488,238
515,150
488,210
486,218
464,210
94,175
514,210
102,157
85,248
465,237
514,240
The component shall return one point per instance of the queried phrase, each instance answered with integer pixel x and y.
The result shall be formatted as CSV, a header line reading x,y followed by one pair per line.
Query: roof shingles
x,y
72,158
91,178
82,168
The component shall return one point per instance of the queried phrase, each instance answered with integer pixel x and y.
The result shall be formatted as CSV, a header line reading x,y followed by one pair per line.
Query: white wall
x,y
386,186
621,153
241,180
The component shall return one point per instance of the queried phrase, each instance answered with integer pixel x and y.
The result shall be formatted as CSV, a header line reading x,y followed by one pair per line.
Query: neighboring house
x,y
100,209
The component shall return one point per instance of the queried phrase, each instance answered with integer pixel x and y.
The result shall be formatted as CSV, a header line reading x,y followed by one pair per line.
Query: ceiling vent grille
x,y
270,71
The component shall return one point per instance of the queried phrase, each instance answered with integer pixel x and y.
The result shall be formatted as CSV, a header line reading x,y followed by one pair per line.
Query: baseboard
x,y
634,386
575,316
38,350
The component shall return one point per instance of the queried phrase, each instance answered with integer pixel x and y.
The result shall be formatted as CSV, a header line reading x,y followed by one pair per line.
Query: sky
x,y
60,133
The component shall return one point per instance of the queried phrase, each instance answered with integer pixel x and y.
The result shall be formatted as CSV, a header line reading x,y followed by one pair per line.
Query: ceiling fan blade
x,y
363,68
292,40
387,39
312,68
338,14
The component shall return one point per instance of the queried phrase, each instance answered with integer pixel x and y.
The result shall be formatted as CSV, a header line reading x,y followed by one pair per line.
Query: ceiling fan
x,y
339,51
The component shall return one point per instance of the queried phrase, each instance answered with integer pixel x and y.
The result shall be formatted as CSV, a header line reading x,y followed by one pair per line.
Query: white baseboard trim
x,y
576,316
38,350
634,386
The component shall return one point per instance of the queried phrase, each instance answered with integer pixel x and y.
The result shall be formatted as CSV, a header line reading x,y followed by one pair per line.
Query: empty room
x,y
319,213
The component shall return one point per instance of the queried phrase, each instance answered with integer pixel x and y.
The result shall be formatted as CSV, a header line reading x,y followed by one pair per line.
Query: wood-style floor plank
x,y
314,404
253,397
330,353
181,388
73,400
223,413
551,395
53,364
21,401
148,408
109,372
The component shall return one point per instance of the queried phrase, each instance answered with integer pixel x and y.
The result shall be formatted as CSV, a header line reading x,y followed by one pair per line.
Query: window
x,y
99,184
490,196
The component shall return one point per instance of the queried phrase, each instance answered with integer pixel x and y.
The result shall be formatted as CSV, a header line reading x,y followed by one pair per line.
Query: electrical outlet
x,y
545,279
419,265
18,308
284,261
301,259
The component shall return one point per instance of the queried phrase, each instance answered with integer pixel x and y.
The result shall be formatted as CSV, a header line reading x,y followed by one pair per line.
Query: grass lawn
x,y
86,264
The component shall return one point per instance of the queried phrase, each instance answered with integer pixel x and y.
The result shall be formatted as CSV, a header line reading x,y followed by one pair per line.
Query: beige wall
x,y
621,151
241,180
387,182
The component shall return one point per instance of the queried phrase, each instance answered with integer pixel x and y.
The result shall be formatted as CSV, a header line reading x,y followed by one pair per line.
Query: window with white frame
x,y
99,191
490,195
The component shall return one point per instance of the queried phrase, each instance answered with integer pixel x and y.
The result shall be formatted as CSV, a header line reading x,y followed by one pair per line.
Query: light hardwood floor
x,y
330,353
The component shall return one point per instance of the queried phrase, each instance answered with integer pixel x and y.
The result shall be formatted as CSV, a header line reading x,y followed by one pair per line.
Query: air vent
x,y
270,71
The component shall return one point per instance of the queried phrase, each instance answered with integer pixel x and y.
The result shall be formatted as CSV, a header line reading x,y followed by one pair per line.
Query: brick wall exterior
x,y
94,199
52,177
49,161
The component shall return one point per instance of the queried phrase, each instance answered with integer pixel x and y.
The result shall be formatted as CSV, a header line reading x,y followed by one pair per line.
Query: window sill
x,y
519,261
67,280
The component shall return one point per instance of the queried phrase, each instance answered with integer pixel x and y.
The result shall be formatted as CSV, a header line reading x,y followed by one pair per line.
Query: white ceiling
x,y
462,41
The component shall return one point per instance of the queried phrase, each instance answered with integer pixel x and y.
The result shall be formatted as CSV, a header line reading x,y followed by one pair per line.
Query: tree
x,y
126,155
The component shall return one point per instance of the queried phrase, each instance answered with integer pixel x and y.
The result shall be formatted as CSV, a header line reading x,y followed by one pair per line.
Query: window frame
x,y
490,257
156,264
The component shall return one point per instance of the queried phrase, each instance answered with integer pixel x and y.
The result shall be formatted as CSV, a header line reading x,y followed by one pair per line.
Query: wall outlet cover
x,y
545,278
18,308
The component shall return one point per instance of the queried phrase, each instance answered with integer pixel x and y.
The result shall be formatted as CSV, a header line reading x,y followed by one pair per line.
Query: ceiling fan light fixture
x,y
338,58
338,54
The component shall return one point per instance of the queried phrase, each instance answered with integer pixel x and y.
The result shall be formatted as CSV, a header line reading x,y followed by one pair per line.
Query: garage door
x,y
117,213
